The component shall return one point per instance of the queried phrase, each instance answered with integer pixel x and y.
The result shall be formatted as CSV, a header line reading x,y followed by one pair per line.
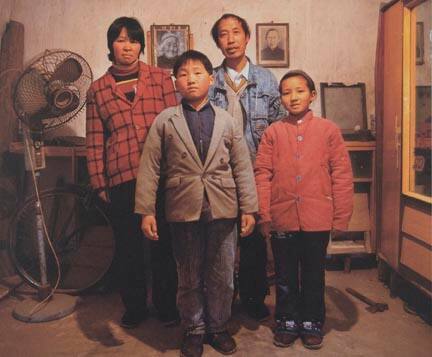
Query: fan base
x,y
57,307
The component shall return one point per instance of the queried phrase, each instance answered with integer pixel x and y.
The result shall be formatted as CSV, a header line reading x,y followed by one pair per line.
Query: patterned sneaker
x,y
311,334
286,332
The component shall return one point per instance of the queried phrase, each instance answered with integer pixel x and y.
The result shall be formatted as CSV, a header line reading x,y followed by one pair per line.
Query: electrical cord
x,y
27,141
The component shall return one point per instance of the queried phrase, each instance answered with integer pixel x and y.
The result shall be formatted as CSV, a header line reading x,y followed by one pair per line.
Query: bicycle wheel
x,y
79,230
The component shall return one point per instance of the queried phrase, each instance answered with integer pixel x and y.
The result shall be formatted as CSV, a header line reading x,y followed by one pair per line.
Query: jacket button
x,y
183,155
170,136
299,138
298,178
221,160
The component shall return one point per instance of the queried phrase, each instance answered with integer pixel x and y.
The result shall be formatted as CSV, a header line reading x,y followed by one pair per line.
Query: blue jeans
x,y
205,253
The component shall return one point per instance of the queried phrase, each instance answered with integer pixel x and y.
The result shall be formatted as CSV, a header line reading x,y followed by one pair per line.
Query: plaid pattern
x,y
117,128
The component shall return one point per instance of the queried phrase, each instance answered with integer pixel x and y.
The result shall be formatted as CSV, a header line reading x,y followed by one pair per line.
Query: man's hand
x,y
264,229
247,224
149,227
336,233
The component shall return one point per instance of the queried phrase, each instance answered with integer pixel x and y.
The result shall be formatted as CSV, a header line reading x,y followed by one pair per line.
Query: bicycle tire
x,y
80,231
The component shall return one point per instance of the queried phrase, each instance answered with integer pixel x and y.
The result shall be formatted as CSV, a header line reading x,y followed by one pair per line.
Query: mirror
x,y
417,136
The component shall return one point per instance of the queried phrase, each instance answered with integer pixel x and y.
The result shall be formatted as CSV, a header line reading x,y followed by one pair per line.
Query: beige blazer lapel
x,y
179,122
218,129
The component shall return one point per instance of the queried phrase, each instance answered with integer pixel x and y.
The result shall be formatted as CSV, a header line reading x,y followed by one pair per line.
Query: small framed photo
x,y
419,43
168,42
272,47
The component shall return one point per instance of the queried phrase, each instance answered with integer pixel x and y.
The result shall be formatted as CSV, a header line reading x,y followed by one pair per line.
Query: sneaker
x,y
222,342
192,345
132,319
286,332
256,310
311,335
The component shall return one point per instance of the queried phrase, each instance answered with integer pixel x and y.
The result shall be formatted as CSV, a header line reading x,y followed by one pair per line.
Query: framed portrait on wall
x,y
272,44
419,43
168,42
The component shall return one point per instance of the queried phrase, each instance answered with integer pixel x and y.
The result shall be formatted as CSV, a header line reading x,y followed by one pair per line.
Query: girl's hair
x,y
298,73
133,29
195,56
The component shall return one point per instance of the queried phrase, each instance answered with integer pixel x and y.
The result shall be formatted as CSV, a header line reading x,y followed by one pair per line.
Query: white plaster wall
x,y
5,13
333,40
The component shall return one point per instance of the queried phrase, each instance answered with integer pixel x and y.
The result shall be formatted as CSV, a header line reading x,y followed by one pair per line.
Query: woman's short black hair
x,y
134,31
298,73
195,56
215,28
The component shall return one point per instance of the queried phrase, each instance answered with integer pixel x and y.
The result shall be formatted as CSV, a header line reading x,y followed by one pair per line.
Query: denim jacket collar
x,y
219,76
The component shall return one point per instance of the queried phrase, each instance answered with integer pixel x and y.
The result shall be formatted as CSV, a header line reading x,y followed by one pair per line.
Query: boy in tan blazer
x,y
208,181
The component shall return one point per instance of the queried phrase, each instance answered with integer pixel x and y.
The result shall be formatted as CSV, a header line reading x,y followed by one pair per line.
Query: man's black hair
x,y
133,29
195,56
215,28
298,73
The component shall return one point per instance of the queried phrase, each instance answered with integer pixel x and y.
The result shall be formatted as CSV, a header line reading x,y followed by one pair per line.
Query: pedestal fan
x,y
49,93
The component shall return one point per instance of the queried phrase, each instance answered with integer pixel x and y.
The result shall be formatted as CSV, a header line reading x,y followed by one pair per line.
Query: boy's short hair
x,y
215,28
298,73
134,31
194,56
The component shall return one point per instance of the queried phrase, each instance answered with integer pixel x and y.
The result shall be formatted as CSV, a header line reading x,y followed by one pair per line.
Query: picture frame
x,y
346,106
419,43
168,42
272,45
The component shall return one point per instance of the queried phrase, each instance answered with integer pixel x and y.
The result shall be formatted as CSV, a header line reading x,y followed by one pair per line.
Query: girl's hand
x,y
247,224
149,227
264,229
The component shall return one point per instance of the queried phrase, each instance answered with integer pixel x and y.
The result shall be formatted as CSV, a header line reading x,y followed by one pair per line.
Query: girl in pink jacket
x,y
305,191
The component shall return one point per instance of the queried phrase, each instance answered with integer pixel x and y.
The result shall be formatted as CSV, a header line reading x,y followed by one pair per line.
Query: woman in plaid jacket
x,y
121,107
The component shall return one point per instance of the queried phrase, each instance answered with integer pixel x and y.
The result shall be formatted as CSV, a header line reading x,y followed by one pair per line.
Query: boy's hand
x,y
247,224
264,229
149,227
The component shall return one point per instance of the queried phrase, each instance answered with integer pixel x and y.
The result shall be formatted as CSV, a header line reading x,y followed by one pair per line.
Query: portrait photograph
x,y
419,43
272,44
168,42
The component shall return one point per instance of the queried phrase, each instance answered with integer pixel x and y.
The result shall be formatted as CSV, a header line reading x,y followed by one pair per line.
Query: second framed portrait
x,y
272,44
168,42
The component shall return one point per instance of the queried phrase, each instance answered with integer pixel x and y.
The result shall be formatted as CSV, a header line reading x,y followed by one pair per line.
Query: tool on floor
x,y
373,306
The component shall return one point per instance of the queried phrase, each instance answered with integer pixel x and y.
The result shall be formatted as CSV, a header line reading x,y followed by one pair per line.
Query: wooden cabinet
x,y
360,237
403,146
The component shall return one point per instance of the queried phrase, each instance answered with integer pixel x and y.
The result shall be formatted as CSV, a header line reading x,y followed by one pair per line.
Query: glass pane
x,y
421,153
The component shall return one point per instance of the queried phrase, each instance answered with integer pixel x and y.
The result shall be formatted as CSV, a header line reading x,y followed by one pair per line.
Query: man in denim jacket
x,y
250,94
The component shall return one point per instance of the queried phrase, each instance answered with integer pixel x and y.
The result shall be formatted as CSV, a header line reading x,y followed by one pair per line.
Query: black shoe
x,y
286,332
256,310
132,319
222,342
169,319
311,334
192,345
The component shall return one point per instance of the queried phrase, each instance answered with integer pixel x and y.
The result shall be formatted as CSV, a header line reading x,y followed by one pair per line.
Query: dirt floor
x,y
93,330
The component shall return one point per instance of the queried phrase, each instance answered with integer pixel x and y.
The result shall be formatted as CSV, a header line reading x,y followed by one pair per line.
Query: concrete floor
x,y
92,330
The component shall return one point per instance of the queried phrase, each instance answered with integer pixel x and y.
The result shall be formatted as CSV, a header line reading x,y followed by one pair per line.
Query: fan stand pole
x,y
58,305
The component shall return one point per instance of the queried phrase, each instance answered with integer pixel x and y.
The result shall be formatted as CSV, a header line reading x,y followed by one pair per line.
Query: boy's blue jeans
x,y
205,254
